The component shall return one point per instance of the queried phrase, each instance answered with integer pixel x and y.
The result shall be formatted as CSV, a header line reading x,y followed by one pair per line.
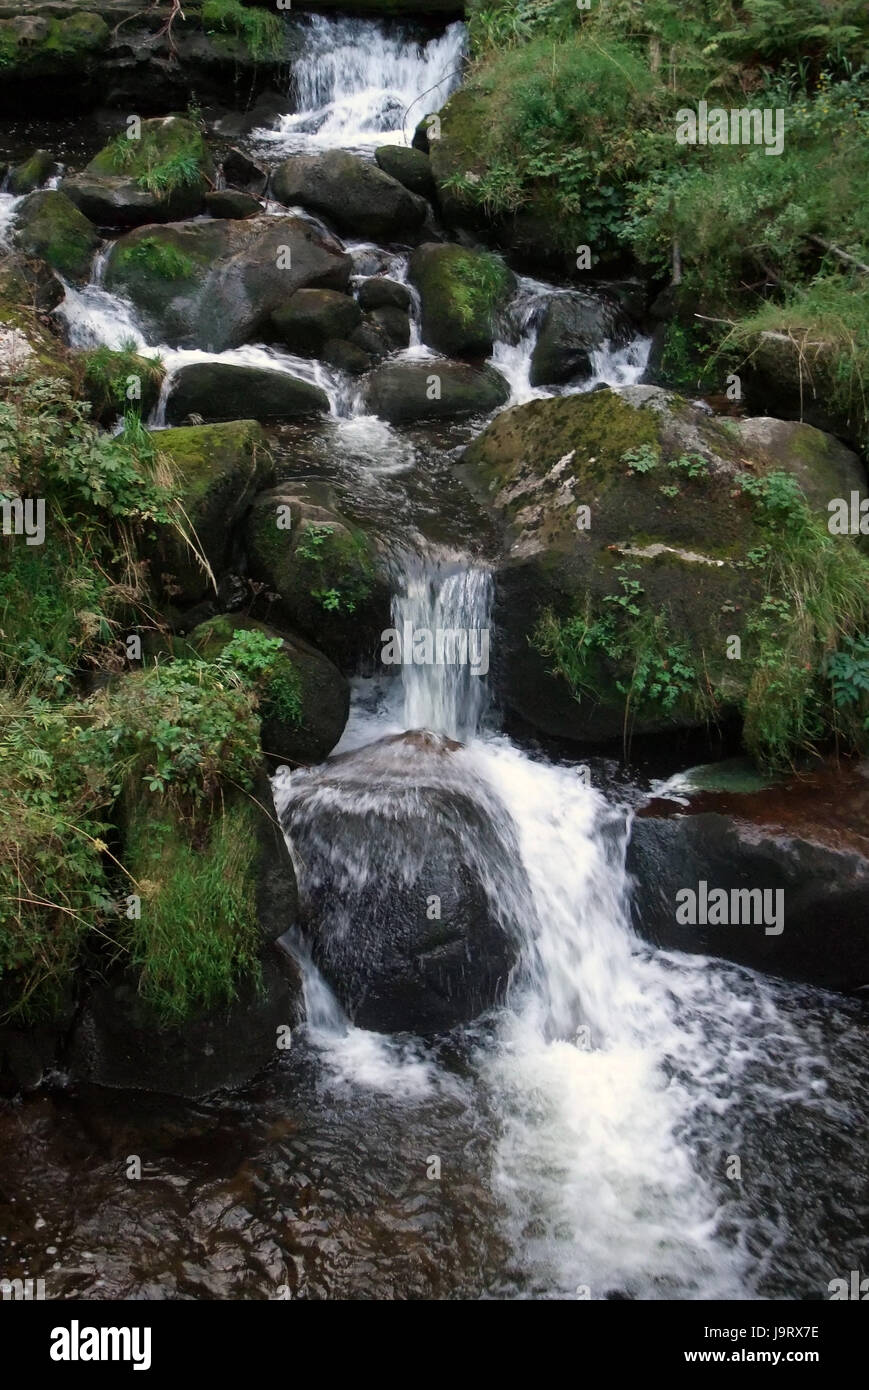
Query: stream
x,y
582,1130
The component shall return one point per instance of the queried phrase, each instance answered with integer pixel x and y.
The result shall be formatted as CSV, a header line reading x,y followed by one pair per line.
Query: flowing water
x,y
584,1130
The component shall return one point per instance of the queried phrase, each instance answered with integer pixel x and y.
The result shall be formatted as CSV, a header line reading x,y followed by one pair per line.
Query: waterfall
x,y
358,83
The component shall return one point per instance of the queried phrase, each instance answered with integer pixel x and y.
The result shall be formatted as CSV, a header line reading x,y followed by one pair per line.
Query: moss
x,y
51,227
55,48
155,258
197,937
170,153
461,293
109,377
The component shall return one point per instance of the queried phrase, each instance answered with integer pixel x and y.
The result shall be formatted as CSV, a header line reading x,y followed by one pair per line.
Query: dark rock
x,y
226,391
460,292
49,226
354,194
347,357
311,317
432,389
400,844
32,174
410,166
228,203
114,191
240,171
394,324
380,293
572,326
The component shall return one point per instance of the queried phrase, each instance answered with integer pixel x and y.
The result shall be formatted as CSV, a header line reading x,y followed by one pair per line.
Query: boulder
x,y
330,581
460,293
226,391
311,317
411,167
227,202
379,292
401,846
305,708
37,48
393,324
240,171
635,553
215,283
112,379
354,194
432,389
161,177
218,470
49,226
795,843
573,324
347,357
32,174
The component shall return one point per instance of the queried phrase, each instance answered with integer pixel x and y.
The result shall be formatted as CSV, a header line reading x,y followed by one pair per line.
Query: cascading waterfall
x,y
357,84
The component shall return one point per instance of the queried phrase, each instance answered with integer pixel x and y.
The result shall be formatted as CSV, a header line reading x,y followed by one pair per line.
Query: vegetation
x,y
261,32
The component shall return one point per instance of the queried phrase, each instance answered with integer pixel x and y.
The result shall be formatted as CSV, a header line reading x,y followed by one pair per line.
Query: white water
x,y
359,84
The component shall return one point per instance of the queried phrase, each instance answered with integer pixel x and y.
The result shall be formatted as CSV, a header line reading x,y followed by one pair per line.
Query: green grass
x,y
157,258
262,33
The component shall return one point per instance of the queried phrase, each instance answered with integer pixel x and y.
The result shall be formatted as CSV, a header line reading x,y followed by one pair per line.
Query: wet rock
x,y
394,324
32,174
220,468
347,357
796,847
379,292
330,581
311,317
432,389
226,390
410,166
400,845
460,292
215,283
572,326
49,226
228,203
354,194
240,171
305,707
118,188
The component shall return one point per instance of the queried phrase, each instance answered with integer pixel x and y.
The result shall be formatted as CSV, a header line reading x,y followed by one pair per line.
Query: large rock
x,y
226,390
49,226
330,581
304,709
402,847
573,324
161,177
797,843
354,194
310,318
460,292
218,470
411,167
379,292
32,173
432,389
215,284
630,554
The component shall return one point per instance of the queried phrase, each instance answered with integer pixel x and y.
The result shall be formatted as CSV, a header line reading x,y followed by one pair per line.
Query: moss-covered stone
x,y
32,173
116,382
460,292
218,469
33,46
162,176
411,167
627,520
27,291
48,225
305,705
325,571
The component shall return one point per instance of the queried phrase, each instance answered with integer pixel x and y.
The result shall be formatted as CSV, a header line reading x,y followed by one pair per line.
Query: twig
x,y
837,251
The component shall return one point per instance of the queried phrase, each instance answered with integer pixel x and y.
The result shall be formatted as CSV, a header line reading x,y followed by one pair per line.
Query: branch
x,y
837,251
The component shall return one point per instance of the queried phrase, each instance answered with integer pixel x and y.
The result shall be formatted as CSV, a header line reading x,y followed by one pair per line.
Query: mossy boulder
x,y
461,292
630,540
329,579
32,173
215,283
226,390
218,470
432,389
351,192
199,1005
49,226
117,381
411,167
311,317
162,176
304,706
37,46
